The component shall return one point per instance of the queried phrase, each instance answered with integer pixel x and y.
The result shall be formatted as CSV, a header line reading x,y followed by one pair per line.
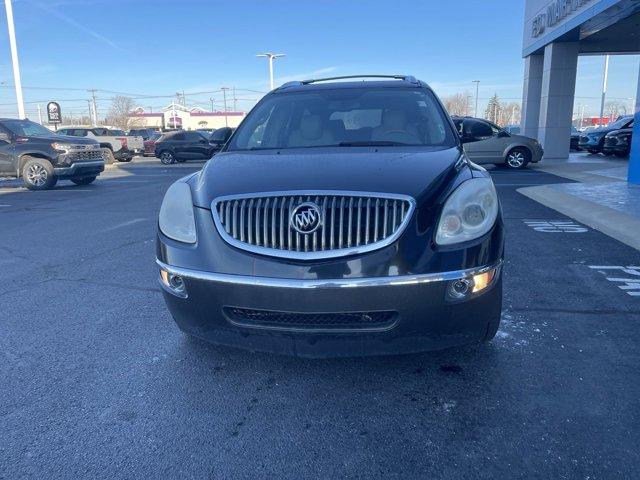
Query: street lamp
x,y
270,56
14,58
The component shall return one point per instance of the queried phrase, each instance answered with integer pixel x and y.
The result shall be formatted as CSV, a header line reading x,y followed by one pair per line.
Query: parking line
x,y
125,224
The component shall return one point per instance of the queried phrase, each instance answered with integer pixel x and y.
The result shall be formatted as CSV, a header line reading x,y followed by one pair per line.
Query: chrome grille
x,y
86,155
350,222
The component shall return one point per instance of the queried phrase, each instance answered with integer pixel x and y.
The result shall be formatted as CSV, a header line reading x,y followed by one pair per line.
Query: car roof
x,y
347,82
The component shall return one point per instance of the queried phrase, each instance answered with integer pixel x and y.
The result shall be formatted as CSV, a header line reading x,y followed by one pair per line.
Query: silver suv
x,y
485,142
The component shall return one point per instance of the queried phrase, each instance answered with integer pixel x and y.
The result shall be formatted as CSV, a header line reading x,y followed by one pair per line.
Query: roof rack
x,y
406,78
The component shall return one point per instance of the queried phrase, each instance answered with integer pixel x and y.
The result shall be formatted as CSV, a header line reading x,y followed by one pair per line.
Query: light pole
x,y
475,112
271,56
604,88
211,100
14,58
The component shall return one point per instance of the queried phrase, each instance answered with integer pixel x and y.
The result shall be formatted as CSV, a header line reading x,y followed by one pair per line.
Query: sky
x,y
146,48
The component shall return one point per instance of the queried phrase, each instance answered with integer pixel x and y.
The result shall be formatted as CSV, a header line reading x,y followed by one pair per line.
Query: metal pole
x,y
271,72
604,88
235,100
14,58
39,114
211,100
477,82
224,92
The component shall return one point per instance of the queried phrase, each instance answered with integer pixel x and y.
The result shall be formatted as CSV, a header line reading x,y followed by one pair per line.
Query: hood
x,y
406,170
62,139
622,131
522,139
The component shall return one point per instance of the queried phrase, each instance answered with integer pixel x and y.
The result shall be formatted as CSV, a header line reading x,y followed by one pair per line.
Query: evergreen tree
x,y
492,112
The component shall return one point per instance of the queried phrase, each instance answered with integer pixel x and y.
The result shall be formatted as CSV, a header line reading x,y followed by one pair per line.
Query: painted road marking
x,y
125,224
630,285
550,226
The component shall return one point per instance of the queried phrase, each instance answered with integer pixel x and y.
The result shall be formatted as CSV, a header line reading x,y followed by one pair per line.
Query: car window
x,y
179,137
193,136
27,128
218,135
477,129
78,132
381,116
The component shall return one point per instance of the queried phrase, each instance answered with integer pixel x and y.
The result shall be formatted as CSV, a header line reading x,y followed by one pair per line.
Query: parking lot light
x,y
271,56
14,58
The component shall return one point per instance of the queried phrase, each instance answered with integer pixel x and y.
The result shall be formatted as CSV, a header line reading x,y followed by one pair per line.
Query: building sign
x,y
54,114
554,13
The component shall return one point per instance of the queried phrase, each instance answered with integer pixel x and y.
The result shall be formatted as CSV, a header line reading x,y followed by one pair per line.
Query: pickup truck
x,y
115,144
41,157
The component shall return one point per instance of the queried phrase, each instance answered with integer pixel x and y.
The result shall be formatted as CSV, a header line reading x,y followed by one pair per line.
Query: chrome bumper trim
x,y
75,166
337,283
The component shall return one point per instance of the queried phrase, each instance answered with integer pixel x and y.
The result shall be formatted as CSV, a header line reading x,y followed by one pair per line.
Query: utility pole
x,y
39,114
93,109
235,100
224,92
604,88
14,58
271,56
475,112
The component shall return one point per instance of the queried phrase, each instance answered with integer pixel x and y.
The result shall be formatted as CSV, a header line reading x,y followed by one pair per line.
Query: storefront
x,y
555,34
176,116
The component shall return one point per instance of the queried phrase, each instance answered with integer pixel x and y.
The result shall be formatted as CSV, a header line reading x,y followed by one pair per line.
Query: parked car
x,y
150,144
41,157
618,142
218,138
180,146
356,226
485,143
145,133
115,144
574,139
593,141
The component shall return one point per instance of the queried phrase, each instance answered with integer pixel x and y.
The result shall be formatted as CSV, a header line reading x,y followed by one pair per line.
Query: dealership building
x,y
178,116
555,34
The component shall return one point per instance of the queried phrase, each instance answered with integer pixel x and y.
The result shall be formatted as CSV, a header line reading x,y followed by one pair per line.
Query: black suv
x,y
593,140
41,157
180,146
341,218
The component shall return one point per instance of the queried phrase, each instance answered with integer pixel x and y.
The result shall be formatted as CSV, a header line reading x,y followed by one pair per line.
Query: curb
x,y
613,223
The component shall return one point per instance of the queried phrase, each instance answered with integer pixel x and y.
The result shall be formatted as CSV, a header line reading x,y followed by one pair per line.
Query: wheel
x,y
517,158
83,180
167,157
108,156
37,174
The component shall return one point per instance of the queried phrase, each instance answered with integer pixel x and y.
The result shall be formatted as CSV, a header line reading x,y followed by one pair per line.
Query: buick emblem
x,y
305,218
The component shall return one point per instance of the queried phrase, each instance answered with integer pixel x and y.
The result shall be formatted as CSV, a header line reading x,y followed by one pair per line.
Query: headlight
x,y
469,212
176,218
63,147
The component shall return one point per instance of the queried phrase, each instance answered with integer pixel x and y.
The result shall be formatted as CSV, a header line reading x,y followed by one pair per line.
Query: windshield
x,y
620,123
27,128
345,117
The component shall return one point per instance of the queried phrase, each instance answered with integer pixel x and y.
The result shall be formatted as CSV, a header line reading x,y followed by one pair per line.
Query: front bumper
x,y
80,169
421,315
592,144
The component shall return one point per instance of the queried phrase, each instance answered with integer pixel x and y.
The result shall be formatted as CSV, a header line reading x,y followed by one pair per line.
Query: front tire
x,y
125,160
83,181
517,158
38,174
108,156
167,157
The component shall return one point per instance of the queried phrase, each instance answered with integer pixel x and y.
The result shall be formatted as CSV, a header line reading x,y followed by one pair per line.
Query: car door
x,y
484,143
179,144
198,145
6,153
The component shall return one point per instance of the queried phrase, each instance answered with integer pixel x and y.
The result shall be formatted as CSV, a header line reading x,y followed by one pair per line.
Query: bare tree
x,y
457,104
120,111
613,109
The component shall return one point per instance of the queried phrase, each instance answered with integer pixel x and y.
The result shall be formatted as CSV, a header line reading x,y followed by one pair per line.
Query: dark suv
x,y
41,157
180,146
341,218
593,140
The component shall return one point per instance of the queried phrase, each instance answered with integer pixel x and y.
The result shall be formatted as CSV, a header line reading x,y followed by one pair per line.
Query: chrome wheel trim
x,y
37,175
166,157
515,159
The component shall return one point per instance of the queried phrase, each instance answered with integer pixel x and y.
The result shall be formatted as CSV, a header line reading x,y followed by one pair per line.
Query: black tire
x,y
83,180
167,157
107,153
517,158
125,160
38,174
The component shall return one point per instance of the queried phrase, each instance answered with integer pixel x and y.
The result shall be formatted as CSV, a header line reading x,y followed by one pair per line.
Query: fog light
x,y
460,288
173,283
464,288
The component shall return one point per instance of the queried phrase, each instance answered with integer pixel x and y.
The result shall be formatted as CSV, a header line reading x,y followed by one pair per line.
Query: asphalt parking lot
x,y
97,382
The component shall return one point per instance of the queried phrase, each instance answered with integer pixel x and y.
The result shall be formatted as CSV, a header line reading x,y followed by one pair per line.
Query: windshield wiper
x,y
372,143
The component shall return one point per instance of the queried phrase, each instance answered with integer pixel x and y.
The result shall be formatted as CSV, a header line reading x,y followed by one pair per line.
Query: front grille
x,y
611,141
293,320
86,155
349,222
584,139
